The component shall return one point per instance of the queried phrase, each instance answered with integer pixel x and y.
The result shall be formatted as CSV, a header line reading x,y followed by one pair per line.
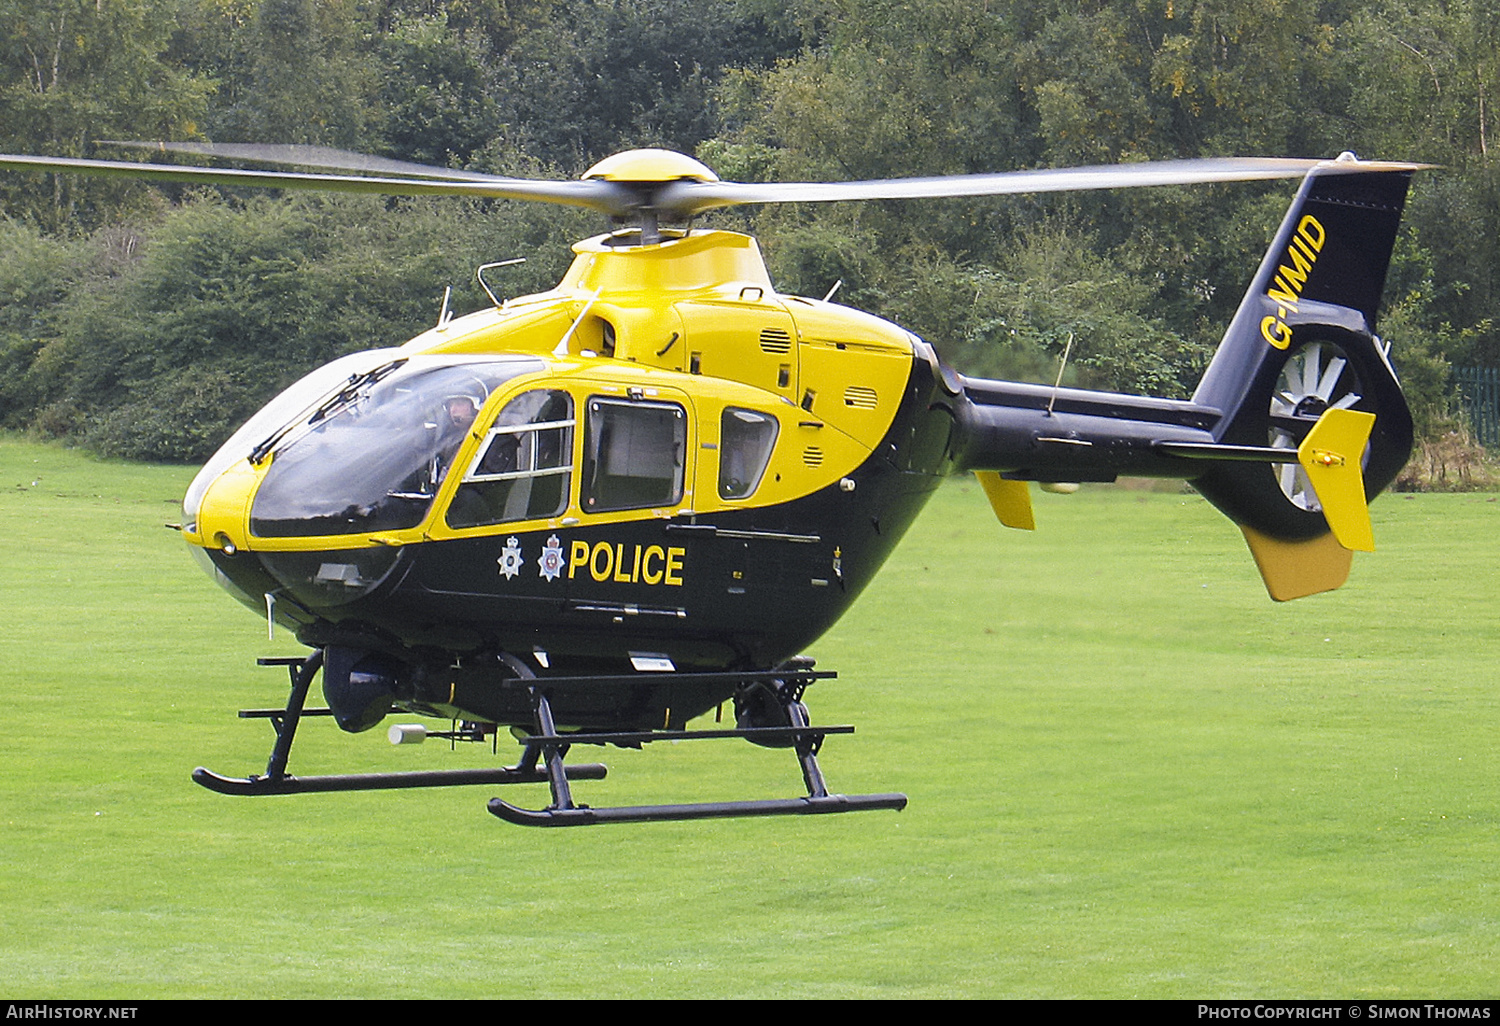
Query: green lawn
x,y
1131,774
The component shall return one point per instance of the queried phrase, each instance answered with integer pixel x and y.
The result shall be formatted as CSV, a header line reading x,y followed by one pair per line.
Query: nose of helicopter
x,y
315,574
214,527
222,514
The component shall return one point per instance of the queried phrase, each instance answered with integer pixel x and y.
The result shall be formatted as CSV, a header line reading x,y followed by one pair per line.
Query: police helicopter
x,y
592,515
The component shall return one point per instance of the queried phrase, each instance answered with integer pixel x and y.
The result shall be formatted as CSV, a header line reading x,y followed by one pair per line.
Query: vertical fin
x,y
1294,569
1011,500
1330,454
1319,284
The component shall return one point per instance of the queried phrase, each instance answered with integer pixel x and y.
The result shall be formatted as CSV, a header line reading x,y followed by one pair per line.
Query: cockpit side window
x,y
746,438
524,468
632,455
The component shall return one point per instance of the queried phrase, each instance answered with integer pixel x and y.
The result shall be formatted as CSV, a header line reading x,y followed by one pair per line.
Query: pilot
x,y
457,417
460,411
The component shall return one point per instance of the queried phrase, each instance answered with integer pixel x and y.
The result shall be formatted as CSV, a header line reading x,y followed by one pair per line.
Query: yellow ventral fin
x,y
1331,454
1011,500
1295,569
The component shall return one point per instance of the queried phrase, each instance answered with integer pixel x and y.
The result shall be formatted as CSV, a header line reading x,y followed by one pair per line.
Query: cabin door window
x,y
633,455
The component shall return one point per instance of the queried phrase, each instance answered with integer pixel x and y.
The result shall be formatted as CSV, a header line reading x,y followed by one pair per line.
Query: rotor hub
x,y
650,167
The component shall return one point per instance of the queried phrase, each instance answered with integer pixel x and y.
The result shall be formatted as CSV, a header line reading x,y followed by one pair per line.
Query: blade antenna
x,y
1060,368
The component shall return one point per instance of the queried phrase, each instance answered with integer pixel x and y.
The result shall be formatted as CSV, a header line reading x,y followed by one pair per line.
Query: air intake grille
x,y
859,397
775,340
812,456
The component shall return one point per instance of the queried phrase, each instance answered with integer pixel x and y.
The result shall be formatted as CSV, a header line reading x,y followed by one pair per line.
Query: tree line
x,y
148,321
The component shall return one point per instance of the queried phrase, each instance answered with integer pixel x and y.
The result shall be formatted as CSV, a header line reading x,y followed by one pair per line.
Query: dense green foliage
x,y
147,321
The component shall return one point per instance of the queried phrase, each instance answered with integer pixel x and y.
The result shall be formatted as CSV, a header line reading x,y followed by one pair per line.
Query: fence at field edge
x,y
1479,392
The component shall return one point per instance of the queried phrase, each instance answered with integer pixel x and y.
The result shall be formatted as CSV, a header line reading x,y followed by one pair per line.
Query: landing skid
x,y
787,686
545,748
288,784
284,721
583,815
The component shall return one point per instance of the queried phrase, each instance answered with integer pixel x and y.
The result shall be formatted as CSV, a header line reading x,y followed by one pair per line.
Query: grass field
x,y
1131,775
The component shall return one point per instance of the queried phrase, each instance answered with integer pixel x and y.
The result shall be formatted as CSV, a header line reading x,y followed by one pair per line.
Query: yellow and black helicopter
x,y
593,514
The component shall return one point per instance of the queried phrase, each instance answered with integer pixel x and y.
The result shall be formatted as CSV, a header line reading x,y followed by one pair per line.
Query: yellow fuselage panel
x,y
854,367
533,326
639,322
649,305
856,391
751,340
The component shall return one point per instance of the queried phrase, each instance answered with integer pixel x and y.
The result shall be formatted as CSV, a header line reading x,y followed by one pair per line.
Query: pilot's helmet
x,y
461,409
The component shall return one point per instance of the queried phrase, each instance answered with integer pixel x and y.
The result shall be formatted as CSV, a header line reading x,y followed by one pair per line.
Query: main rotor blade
x,y
670,199
308,156
685,198
607,197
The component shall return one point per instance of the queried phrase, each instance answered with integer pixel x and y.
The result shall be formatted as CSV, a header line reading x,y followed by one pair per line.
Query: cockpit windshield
x,y
371,457
291,407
